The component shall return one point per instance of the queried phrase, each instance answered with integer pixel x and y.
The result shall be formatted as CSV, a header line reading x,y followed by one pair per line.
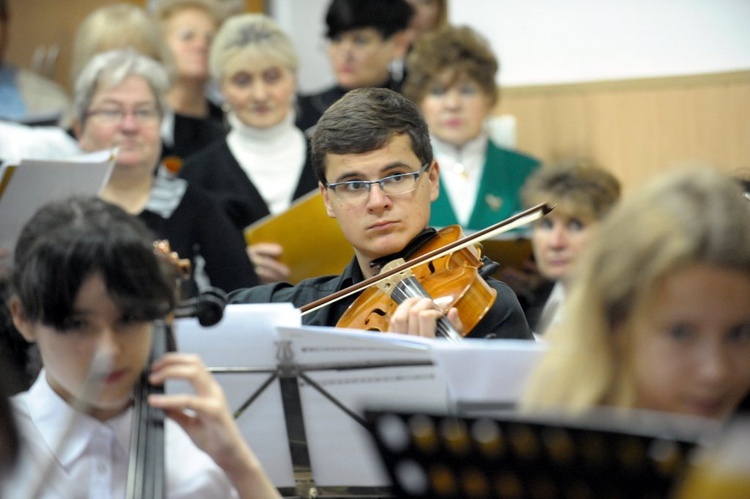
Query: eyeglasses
x,y
401,183
116,116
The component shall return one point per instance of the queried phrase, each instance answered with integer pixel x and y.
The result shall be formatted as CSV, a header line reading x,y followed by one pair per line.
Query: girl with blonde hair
x,y
659,313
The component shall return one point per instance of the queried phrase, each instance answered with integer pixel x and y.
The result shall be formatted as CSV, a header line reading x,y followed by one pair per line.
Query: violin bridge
x,y
388,284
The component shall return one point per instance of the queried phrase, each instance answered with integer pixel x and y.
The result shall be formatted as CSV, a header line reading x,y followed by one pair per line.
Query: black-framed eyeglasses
x,y
401,183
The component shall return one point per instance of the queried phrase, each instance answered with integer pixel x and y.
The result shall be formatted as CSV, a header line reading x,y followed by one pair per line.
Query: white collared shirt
x,y
92,461
460,173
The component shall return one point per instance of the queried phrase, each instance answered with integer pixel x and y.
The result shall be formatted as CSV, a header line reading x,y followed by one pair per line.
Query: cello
x,y
146,469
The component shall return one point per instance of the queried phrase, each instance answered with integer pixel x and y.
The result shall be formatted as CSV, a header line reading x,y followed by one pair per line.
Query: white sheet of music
x,y
37,182
374,368
246,337
480,371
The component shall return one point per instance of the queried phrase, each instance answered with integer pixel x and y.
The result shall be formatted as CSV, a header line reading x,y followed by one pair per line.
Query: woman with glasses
x,y
364,38
374,164
119,103
452,79
264,163
120,26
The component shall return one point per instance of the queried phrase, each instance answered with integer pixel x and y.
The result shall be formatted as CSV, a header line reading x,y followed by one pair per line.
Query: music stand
x,y
299,391
432,454
295,394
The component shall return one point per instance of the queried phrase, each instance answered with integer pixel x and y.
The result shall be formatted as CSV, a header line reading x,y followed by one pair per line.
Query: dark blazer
x,y
215,170
193,134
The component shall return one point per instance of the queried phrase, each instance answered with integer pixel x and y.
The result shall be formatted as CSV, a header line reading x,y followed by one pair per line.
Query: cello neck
x,y
146,471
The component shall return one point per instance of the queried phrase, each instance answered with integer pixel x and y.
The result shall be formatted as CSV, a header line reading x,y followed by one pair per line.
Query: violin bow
x,y
513,222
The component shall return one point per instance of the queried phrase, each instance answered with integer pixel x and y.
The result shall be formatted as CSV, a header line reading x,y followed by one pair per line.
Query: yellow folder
x,y
312,241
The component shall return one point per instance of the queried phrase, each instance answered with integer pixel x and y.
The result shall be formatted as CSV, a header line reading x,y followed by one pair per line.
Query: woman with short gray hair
x,y
119,103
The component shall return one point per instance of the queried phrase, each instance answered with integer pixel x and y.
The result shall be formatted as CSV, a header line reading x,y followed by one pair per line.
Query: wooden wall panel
x,y
46,23
637,128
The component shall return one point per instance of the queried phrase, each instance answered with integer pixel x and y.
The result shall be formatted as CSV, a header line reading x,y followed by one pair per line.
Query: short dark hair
x,y
386,16
67,241
364,120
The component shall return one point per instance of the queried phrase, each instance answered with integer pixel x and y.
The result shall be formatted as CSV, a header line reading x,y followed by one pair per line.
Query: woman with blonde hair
x,y
658,317
117,26
188,27
263,164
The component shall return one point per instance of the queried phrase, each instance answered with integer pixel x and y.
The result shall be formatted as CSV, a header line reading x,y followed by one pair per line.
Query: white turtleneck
x,y
270,157
461,170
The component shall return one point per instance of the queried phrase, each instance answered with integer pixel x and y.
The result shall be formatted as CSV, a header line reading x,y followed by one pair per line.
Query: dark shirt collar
x,y
412,247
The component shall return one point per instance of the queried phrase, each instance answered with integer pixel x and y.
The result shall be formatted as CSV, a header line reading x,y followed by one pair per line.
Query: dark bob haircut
x,y
67,241
386,16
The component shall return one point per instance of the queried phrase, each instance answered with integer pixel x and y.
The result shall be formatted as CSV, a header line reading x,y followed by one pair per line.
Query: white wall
x,y
555,41
304,20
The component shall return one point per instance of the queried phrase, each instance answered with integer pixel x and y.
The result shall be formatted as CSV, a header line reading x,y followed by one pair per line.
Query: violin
x,y
451,280
146,470
445,269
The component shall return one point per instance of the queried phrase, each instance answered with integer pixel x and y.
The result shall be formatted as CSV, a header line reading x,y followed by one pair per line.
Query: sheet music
x,y
480,371
34,183
342,452
246,337
353,368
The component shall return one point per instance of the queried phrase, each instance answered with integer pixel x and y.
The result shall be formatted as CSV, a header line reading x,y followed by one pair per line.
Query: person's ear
x,y
401,42
325,192
21,320
434,176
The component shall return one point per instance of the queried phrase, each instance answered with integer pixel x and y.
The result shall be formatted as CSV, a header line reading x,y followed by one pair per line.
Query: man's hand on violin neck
x,y
419,316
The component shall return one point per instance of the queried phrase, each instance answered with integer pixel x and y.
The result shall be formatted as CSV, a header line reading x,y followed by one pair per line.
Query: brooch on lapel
x,y
494,202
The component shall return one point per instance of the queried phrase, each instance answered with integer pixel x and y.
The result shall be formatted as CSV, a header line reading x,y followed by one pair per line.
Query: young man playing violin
x,y
377,175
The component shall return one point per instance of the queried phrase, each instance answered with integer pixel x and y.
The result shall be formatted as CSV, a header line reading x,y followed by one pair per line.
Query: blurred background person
x,y
25,96
127,26
658,316
428,15
264,162
119,102
189,27
582,195
452,79
364,38
117,26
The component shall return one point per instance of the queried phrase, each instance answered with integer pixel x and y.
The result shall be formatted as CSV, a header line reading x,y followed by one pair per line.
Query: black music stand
x,y
440,455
